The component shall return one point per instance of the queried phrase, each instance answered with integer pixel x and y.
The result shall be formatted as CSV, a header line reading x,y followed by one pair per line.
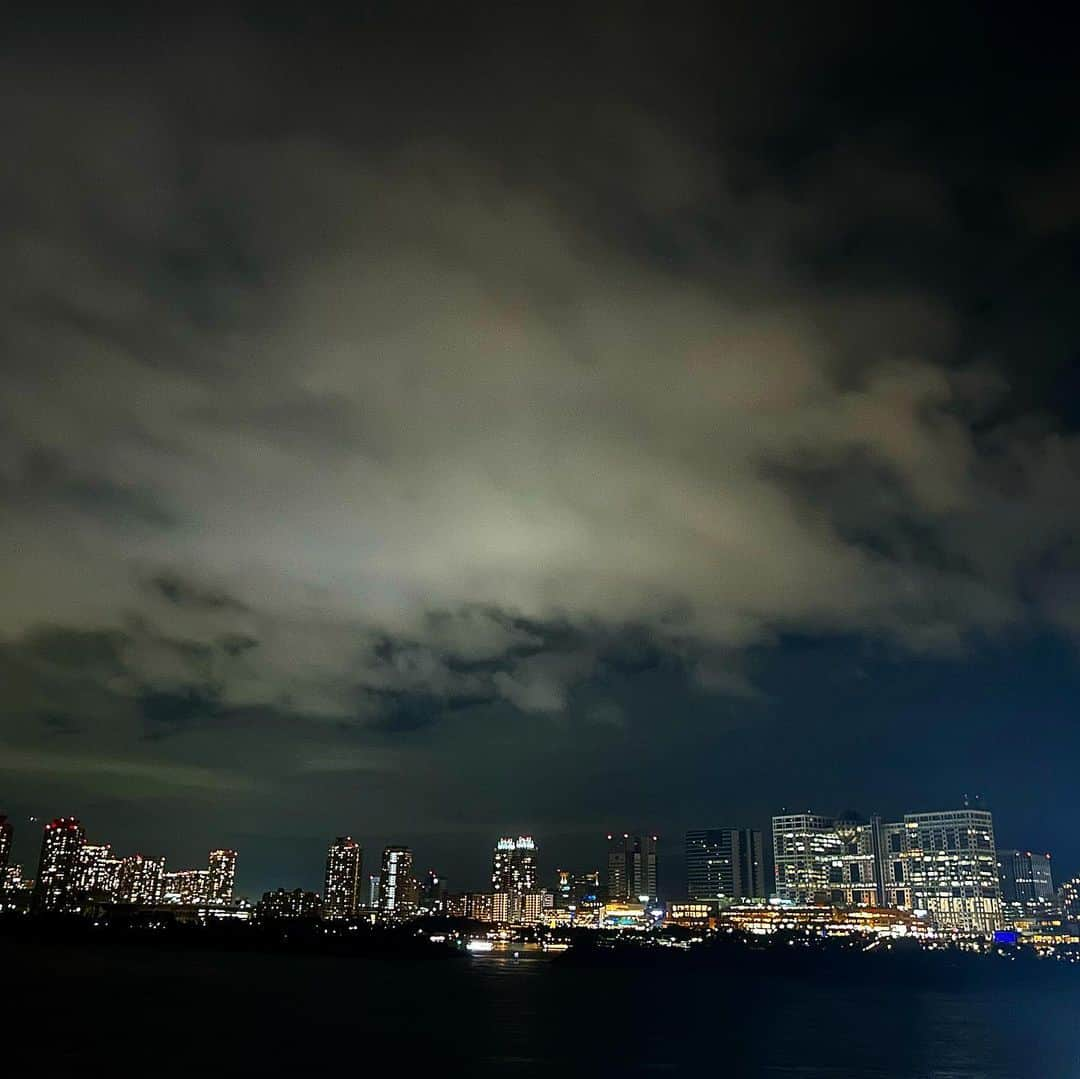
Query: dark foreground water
x,y
133,1012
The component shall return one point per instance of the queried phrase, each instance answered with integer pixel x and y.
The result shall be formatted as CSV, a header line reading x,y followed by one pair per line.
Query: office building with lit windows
x,y
397,889
1027,886
342,892
221,876
1070,899
724,865
631,867
57,885
951,869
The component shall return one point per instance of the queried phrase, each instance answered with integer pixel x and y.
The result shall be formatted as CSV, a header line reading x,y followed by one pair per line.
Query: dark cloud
x,y
402,384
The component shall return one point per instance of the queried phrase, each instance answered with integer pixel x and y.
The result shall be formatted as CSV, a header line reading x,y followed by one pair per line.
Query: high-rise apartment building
x,y
574,888
6,833
221,876
724,864
1070,899
99,873
397,889
342,893
631,867
57,884
951,869
141,880
1027,887
514,874
187,887
282,905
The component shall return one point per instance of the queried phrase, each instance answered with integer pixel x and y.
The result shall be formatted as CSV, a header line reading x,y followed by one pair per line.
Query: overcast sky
x,y
422,428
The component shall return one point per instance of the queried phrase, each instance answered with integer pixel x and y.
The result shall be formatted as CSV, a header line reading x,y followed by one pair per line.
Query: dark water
x,y
150,1013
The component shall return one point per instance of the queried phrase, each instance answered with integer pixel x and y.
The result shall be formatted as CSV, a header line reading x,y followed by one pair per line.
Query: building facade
x,y
56,888
397,889
1027,885
514,874
342,886
221,876
6,833
724,864
951,869
282,905
631,867
141,880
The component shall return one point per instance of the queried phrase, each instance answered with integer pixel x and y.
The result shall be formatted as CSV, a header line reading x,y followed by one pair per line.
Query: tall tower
x,y
57,883
6,832
344,862
221,876
142,880
724,864
397,889
632,867
514,872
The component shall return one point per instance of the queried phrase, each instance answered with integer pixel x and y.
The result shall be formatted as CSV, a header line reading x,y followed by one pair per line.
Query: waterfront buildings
x,y
952,871
1070,899
1027,886
6,832
342,891
397,889
513,875
282,905
99,873
187,887
631,867
57,884
724,864
141,880
221,876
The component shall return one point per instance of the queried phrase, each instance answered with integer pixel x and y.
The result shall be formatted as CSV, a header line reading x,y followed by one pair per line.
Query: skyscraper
x,y
952,869
514,872
342,893
632,867
1027,888
724,864
56,888
221,876
188,887
6,832
397,889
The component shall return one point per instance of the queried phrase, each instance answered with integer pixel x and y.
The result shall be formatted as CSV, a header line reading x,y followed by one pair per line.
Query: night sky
x,y
428,426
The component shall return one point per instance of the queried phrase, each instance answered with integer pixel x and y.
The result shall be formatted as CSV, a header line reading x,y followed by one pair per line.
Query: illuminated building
x,y
188,887
99,873
6,832
221,876
57,884
373,891
574,888
141,880
1027,887
480,907
692,915
631,867
282,905
397,889
535,906
432,893
514,873
341,895
502,907
623,914
951,868
891,841
724,864
1070,899
828,860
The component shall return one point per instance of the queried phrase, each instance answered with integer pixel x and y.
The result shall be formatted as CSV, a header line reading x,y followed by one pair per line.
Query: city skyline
x,y
423,426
